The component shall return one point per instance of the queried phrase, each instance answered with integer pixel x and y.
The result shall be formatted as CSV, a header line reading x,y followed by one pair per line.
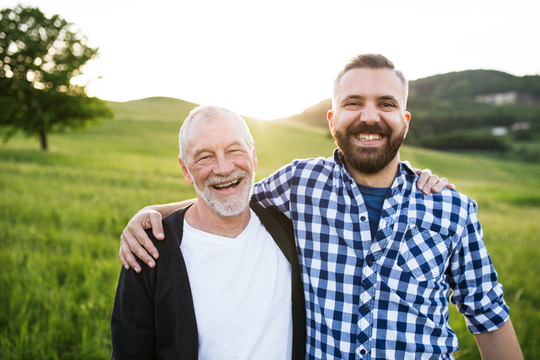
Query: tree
x,y
39,57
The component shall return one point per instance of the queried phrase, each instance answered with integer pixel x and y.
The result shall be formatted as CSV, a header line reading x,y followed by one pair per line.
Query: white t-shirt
x,y
241,293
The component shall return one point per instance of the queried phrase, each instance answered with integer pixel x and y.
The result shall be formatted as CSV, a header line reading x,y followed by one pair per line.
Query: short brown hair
x,y
372,61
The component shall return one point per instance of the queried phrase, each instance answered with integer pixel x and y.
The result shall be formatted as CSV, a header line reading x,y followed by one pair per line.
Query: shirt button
x,y
362,218
370,263
363,352
366,308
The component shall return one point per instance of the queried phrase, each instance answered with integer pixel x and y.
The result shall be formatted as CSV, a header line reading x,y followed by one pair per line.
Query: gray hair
x,y
372,61
205,112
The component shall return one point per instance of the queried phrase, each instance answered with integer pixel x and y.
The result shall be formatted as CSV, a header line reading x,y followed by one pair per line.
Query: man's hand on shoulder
x,y
134,239
428,183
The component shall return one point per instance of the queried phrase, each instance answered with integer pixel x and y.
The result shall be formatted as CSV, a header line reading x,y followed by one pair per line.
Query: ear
x,y
330,118
408,119
185,172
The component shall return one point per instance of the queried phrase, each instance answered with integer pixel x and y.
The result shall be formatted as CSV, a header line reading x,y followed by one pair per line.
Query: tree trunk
x,y
43,138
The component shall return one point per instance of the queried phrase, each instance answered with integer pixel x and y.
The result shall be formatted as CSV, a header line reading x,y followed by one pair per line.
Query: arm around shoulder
x,y
499,344
135,241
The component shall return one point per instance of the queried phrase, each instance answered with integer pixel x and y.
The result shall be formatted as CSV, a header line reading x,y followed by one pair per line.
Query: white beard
x,y
229,206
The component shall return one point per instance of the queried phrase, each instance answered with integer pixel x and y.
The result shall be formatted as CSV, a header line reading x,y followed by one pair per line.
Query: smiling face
x,y
368,119
220,165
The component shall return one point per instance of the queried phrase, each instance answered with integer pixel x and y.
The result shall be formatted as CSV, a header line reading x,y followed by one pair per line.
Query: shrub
x,y
464,140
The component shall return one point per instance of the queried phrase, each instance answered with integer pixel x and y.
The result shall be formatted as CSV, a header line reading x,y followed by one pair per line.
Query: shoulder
x,y
447,200
452,199
272,219
264,214
280,228
308,172
173,227
316,164
299,166
447,212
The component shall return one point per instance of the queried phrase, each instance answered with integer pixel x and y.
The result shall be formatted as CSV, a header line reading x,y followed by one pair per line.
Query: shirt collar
x,y
342,171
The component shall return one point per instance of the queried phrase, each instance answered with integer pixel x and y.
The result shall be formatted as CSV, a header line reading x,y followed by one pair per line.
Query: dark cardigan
x,y
153,315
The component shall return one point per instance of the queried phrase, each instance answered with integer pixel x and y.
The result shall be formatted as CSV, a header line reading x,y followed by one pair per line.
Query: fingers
x,y
157,230
434,184
126,256
134,241
424,177
122,258
428,183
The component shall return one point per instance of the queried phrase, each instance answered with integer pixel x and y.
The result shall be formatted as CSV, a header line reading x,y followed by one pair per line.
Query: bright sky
x,y
271,59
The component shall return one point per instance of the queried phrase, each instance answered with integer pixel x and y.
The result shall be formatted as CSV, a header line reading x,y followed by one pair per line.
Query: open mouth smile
x,y
369,137
227,185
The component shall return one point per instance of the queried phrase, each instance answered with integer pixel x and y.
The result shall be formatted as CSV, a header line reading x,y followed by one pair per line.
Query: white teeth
x,y
226,184
368,137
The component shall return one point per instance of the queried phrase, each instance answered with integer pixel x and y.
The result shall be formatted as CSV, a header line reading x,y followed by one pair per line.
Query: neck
x,y
382,178
203,218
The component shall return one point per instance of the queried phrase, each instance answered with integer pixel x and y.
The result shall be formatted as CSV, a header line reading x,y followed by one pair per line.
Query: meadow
x,y
62,213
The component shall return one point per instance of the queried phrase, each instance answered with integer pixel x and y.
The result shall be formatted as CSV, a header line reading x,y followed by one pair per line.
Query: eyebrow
x,y
379,98
355,97
388,97
202,150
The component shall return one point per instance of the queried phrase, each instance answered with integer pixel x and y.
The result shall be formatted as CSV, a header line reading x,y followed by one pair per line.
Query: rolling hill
x,y
153,108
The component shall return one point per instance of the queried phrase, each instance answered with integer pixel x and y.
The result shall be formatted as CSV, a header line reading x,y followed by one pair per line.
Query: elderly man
x,y
380,258
227,285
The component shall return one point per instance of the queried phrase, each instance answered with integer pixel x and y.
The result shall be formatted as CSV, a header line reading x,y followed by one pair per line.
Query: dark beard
x,y
368,160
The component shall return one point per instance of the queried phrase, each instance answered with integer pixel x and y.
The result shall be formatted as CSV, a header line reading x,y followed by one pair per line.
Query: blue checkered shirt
x,y
384,298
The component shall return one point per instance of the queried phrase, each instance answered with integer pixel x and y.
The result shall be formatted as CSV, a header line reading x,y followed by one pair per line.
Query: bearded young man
x,y
379,258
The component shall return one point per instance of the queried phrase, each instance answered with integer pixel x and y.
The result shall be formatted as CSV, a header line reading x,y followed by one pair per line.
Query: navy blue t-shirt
x,y
374,199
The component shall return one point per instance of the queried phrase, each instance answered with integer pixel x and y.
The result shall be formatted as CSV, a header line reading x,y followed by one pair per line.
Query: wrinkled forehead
x,y
215,122
215,129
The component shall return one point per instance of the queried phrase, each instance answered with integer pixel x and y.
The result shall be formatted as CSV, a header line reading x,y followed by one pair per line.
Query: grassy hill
x,y
62,212
154,108
314,115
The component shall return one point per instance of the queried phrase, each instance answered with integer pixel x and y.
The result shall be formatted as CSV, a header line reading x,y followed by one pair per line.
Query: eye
x,y
353,103
203,158
236,151
388,105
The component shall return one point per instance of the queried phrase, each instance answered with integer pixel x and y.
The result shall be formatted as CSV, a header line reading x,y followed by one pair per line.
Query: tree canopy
x,y
39,57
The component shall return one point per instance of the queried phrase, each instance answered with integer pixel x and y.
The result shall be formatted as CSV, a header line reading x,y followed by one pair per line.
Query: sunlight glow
x,y
272,60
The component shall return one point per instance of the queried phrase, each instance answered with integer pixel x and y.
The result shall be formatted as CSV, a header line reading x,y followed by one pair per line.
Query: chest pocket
x,y
424,253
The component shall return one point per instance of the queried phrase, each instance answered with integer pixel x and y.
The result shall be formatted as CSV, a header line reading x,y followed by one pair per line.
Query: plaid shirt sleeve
x,y
476,292
275,191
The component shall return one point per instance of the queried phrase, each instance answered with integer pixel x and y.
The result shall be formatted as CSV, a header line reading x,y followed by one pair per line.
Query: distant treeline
x,y
459,110
470,83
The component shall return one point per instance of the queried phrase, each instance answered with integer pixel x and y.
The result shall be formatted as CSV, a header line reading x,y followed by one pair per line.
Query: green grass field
x,y
62,212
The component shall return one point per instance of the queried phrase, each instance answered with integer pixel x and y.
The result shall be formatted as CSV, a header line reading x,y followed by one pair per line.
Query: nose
x,y
369,115
223,165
